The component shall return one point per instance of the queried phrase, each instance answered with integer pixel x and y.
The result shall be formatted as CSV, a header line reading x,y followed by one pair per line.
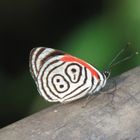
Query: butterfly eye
x,y
107,74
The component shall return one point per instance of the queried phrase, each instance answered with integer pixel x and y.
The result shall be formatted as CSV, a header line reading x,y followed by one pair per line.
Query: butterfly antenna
x,y
119,53
113,63
126,58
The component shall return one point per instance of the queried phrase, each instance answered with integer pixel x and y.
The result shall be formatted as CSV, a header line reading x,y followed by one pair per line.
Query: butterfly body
x,y
60,77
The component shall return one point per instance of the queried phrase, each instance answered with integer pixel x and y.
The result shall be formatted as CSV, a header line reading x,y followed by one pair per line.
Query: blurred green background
x,y
93,30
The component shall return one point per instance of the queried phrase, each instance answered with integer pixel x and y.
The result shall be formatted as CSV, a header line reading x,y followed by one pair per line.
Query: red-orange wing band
x,y
69,58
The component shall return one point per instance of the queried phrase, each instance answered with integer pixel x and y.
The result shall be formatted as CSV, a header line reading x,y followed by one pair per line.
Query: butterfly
x,y
61,77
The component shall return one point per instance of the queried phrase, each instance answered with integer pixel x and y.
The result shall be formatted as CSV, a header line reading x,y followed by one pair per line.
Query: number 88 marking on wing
x,y
60,77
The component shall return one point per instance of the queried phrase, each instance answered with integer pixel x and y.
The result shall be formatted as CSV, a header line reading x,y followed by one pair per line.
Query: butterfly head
x,y
107,73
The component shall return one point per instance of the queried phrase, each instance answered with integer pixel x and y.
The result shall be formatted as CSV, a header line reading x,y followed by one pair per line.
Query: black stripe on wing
x,y
32,53
84,82
52,54
42,86
36,53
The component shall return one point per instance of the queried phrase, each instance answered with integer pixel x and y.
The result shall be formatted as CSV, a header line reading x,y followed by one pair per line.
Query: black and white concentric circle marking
x,y
55,82
60,84
73,71
60,81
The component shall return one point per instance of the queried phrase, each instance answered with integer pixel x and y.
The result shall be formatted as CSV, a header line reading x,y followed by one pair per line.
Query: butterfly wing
x,y
61,77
